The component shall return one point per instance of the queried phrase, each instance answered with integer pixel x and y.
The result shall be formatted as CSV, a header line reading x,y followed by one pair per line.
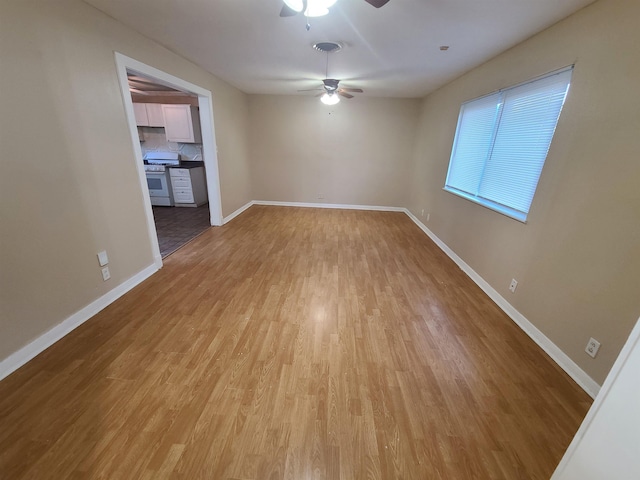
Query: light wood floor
x,y
294,344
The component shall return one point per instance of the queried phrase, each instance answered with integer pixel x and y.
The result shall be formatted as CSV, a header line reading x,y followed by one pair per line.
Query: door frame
x,y
209,148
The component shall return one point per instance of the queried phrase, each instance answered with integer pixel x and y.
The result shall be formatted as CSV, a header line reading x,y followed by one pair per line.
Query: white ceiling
x,y
393,51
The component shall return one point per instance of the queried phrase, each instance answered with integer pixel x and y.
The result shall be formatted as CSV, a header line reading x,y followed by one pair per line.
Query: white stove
x,y
155,168
158,179
156,161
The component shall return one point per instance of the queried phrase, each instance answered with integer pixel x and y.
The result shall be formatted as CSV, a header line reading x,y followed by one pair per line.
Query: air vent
x,y
327,47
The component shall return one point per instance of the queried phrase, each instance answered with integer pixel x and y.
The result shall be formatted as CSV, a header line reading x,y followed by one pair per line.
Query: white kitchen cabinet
x,y
140,111
154,114
182,123
148,114
189,186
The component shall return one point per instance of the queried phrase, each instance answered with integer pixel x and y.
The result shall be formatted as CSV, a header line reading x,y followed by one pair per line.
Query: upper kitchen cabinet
x,y
140,111
154,114
148,114
182,123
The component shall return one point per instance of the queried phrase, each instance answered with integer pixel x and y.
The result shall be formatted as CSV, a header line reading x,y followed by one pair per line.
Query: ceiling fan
x,y
316,8
330,90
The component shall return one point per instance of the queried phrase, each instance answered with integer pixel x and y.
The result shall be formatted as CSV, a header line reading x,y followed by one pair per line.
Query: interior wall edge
x,y
611,388
19,358
588,384
233,215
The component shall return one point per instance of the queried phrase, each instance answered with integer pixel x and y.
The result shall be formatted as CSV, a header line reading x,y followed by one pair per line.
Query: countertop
x,y
189,164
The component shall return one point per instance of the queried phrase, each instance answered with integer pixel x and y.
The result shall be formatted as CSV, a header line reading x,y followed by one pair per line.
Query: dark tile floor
x,y
176,226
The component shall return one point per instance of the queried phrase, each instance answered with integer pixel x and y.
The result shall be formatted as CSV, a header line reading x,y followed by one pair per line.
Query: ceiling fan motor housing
x,y
331,84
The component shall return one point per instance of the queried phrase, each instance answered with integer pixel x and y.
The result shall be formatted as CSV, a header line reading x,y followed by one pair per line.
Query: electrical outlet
x,y
428,216
592,347
321,196
513,285
422,214
102,258
106,275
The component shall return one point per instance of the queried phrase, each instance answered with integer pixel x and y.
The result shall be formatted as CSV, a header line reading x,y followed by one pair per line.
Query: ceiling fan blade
x,y
377,3
287,11
353,90
312,89
344,94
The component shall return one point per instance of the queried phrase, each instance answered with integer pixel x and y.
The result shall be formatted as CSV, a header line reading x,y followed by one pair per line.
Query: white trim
x,y
121,67
557,355
330,205
209,148
210,158
44,341
494,206
228,218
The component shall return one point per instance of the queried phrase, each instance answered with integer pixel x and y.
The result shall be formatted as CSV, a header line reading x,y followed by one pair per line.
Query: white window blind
x,y
502,141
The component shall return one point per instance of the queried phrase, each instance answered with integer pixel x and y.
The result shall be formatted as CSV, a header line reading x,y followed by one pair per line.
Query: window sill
x,y
496,207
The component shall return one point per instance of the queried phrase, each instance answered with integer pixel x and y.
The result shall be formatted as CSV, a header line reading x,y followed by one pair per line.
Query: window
x,y
502,141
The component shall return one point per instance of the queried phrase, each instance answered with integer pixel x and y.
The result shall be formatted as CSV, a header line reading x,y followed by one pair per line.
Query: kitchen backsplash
x,y
156,141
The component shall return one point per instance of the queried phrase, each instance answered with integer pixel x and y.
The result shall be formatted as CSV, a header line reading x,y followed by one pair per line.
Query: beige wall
x,y
578,257
358,152
68,183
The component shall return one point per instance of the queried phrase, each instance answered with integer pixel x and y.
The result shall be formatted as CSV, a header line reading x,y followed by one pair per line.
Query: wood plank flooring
x,y
294,344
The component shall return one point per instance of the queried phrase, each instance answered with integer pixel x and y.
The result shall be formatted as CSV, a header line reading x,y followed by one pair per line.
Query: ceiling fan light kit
x,y
330,99
314,8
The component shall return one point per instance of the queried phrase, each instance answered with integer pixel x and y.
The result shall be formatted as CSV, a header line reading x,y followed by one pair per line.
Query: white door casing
x,y
209,149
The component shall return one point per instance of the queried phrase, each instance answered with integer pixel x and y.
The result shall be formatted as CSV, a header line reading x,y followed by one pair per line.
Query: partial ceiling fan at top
x,y
316,8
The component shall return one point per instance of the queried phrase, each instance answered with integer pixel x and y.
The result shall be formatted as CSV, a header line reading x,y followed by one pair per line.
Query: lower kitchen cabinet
x,y
189,186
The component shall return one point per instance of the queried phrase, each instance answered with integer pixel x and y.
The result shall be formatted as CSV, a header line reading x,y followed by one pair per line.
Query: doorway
x,y
175,225
166,223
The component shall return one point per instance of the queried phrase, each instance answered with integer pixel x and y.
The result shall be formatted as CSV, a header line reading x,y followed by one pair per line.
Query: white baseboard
x,y
44,341
557,355
339,206
228,218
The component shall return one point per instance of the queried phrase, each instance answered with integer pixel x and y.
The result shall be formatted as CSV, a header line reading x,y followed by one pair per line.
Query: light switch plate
x,y
102,258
